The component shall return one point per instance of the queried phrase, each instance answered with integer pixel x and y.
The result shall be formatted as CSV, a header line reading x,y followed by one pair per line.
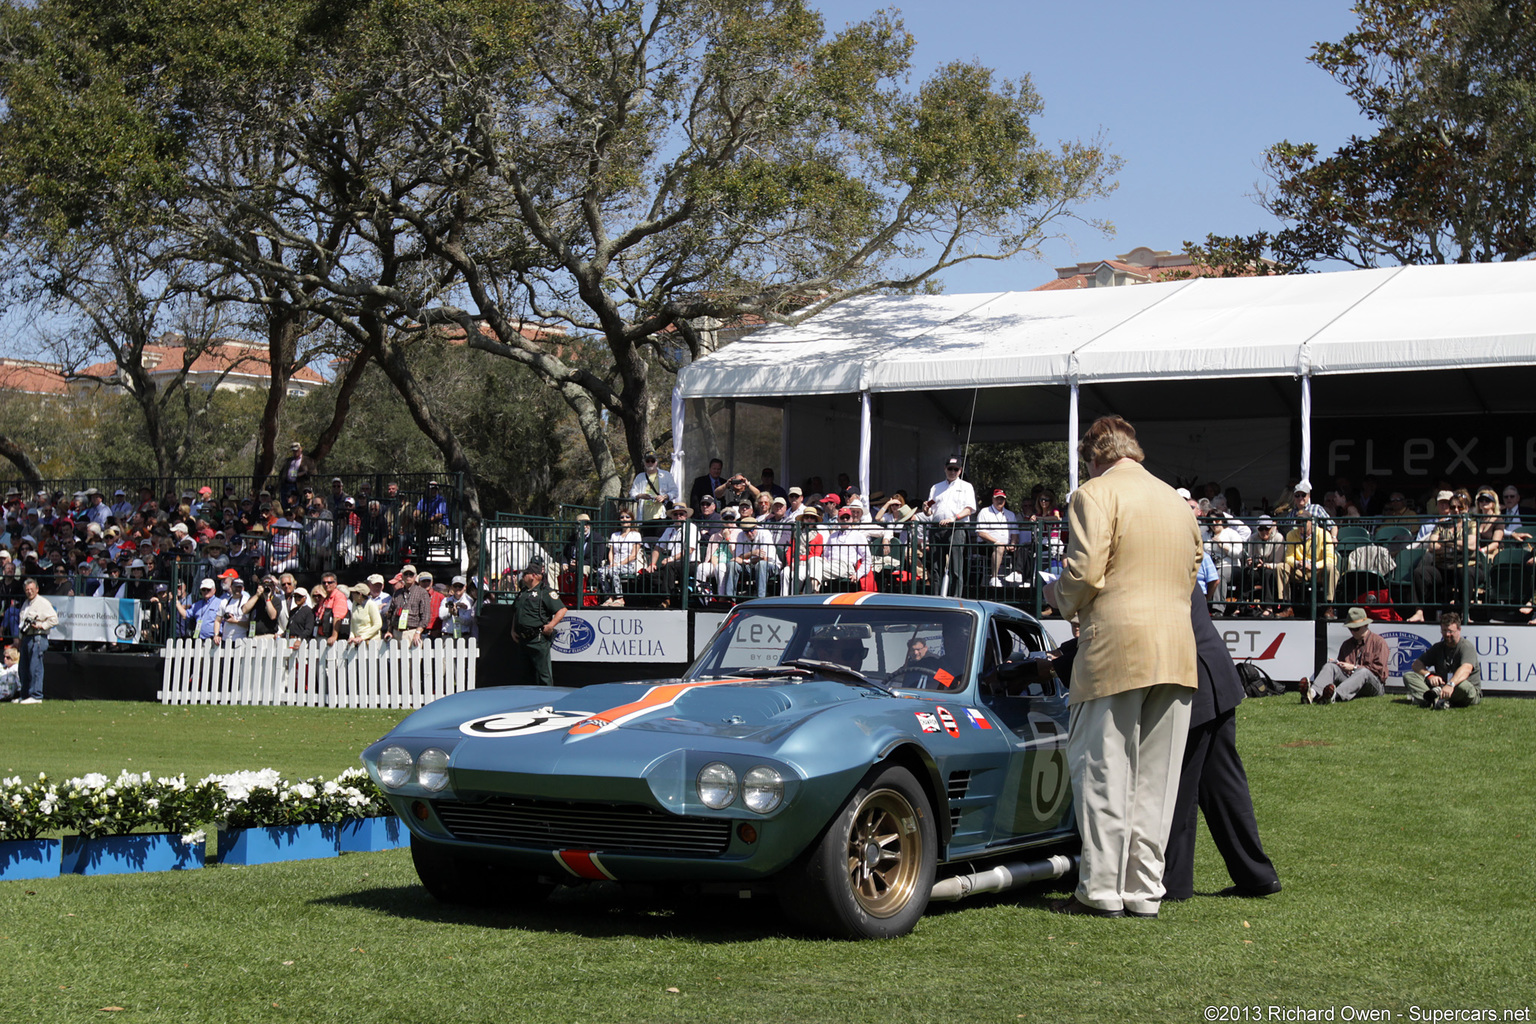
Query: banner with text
x,y
619,635
1506,655
97,620
1286,650
1422,449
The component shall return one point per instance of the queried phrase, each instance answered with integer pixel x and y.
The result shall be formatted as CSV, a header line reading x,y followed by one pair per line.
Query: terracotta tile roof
x,y
1149,275
31,377
244,360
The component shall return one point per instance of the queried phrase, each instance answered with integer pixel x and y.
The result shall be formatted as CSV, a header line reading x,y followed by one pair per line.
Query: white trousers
x,y
1124,752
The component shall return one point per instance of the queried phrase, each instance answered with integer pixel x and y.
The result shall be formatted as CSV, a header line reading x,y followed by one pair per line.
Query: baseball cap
x,y
375,578
206,585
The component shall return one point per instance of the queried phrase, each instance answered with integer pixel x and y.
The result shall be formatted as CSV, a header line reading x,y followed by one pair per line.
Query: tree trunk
x,y
349,383
390,356
282,343
595,432
23,462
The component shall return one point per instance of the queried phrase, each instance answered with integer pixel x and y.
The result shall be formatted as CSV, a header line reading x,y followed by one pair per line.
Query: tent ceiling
x,y
1355,322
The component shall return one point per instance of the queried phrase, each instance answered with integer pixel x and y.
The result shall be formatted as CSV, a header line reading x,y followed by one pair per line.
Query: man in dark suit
x,y
707,484
1213,779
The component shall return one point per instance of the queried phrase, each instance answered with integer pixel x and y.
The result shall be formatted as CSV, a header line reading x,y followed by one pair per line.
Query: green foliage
x,y
1017,468
1233,256
1450,174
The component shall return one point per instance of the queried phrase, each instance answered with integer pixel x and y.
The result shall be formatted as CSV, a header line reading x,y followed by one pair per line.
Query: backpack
x,y
1256,682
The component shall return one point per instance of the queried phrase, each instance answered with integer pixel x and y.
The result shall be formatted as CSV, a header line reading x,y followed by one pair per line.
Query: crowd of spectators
x,y
162,549
740,536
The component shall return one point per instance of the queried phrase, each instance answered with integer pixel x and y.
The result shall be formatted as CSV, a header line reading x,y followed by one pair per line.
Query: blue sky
x,y
1190,94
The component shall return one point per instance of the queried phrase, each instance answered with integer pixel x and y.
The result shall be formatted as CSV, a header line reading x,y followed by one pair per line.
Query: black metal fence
x,y
1289,568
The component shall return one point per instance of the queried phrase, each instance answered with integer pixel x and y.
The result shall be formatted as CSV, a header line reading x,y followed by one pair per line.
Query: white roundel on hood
x,y
522,723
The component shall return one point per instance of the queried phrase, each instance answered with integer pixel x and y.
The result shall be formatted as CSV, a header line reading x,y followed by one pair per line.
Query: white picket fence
x,y
265,671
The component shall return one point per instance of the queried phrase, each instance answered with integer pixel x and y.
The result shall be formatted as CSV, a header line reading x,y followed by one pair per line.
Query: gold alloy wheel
x,y
885,853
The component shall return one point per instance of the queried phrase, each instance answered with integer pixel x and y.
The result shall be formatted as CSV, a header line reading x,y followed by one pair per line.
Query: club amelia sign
x,y
1506,655
619,635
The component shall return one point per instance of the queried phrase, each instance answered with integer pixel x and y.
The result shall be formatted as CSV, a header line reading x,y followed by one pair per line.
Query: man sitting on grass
x,y
1447,676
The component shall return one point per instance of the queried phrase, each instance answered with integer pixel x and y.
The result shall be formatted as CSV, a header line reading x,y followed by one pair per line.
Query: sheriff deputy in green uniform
x,y
536,612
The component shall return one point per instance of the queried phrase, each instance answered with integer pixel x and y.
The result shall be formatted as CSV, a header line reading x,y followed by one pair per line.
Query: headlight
x,y
394,766
717,785
762,789
432,769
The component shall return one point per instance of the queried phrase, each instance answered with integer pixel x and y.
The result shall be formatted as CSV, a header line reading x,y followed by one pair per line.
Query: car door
x,y
1036,796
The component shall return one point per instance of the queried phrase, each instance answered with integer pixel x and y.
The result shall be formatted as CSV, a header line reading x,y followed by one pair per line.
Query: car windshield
x,y
899,647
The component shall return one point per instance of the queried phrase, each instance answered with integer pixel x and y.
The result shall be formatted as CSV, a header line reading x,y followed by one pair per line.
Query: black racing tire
x,y
870,873
463,881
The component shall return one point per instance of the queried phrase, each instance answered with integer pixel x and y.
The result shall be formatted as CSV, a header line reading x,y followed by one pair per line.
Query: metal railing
x,y
1278,573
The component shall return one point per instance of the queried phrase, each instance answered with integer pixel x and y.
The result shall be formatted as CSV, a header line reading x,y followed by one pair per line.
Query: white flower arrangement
x,y
27,809
94,805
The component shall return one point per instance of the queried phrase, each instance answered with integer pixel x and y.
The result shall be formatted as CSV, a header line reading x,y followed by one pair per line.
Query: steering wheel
x,y
914,677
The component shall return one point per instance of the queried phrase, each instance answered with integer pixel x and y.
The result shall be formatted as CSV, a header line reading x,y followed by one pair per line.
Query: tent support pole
x,y
1306,427
1072,439
865,404
678,402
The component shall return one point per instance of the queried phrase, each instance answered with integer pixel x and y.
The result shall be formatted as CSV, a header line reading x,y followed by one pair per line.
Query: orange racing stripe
x,y
852,597
655,697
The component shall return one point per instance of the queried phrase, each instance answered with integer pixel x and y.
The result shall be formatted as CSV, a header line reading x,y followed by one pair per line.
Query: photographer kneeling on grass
x,y
1447,675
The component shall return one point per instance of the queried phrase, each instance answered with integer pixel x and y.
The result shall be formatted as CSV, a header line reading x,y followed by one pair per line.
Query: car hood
x,y
740,709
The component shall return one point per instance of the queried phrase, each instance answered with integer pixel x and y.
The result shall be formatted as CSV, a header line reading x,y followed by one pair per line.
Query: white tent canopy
x,y
1306,326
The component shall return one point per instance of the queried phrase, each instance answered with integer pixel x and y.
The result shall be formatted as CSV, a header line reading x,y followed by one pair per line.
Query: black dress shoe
x,y
1071,905
1251,892
1137,913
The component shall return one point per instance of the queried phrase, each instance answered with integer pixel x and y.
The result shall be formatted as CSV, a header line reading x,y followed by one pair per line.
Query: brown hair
x,y
1109,439
1450,618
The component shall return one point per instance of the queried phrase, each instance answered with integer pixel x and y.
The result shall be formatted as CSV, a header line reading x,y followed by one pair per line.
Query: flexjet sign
x,y
622,636
1445,453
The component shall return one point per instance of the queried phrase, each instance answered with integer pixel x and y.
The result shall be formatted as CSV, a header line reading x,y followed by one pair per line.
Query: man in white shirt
x,y
668,556
655,487
846,550
37,618
237,609
951,504
998,526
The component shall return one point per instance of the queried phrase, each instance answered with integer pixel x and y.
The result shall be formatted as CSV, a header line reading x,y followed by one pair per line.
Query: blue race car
x,y
854,755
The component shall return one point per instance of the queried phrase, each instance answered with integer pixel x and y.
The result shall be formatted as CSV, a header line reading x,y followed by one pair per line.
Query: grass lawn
x,y
1403,838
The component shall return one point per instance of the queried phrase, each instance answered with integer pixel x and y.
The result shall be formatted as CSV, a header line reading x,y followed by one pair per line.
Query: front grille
x,y
601,827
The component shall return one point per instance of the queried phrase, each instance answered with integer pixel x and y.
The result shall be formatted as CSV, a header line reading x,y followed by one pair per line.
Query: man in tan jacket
x,y
1129,570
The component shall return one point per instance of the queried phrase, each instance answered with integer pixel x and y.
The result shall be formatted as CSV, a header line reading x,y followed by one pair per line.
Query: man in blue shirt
x,y
203,615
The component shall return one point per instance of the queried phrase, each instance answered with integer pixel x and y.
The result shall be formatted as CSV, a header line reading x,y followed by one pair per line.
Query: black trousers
x,y
1213,782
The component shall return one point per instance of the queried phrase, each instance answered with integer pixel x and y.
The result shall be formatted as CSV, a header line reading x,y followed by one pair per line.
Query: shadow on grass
x,y
600,910
606,910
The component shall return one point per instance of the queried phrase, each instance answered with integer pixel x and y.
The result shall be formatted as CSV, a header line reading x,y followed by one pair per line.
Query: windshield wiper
x,y
836,671
765,671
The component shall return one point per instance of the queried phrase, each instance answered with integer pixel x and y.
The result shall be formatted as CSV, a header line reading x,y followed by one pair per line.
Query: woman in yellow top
x,y
367,624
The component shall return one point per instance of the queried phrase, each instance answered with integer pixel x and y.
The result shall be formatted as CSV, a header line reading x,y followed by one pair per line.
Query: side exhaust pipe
x,y
1002,877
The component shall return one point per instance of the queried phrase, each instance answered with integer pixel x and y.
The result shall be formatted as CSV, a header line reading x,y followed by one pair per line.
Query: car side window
x,y
1022,666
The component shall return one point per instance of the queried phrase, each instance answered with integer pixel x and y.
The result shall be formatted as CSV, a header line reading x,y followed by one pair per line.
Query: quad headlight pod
x,y
762,789
716,784
432,769
395,766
